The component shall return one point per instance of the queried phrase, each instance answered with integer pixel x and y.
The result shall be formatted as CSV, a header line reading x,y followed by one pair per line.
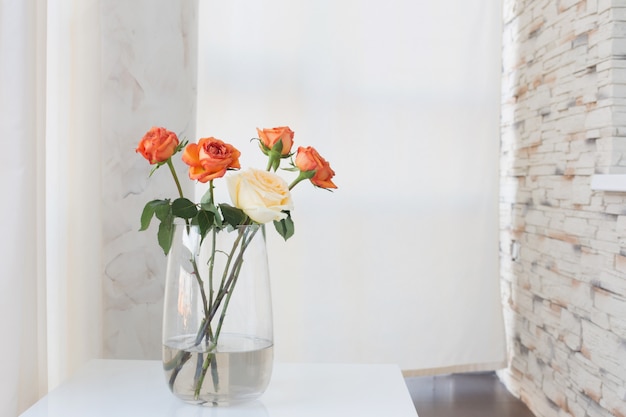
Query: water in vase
x,y
238,370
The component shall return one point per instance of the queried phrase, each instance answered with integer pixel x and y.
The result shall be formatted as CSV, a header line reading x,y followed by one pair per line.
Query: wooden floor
x,y
464,395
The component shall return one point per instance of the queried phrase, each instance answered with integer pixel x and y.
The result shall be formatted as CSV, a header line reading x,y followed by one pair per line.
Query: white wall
x,y
400,264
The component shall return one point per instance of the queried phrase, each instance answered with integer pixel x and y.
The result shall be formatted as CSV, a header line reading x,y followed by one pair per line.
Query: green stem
x,y
173,171
177,366
211,188
225,283
303,175
212,260
295,182
229,293
273,160
196,273
200,381
226,289
235,275
211,266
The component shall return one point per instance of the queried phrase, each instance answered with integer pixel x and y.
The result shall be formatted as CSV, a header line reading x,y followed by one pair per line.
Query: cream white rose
x,y
262,195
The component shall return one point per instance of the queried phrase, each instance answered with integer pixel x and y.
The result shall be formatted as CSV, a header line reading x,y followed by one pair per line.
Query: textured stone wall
x,y
563,245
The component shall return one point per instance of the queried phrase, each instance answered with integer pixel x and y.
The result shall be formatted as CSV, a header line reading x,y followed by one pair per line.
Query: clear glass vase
x,y
217,319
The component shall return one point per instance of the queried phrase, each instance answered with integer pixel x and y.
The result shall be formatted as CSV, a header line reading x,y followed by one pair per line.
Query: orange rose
x,y
308,159
210,158
269,137
157,145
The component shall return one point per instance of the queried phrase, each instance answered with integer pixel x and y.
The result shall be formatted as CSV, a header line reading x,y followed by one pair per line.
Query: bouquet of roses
x,y
257,197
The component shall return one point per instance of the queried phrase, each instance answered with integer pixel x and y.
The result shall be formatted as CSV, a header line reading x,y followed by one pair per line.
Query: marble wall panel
x,y
149,64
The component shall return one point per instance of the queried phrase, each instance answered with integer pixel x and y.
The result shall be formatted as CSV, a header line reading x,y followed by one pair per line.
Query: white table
x,y
125,388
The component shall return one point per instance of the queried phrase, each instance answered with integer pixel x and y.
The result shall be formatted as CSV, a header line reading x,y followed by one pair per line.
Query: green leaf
x,y
205,221
184,208
264,148
206,200
162,211
206,204
285,227
233,215
217,219
149,210
166,233
156,166
180,146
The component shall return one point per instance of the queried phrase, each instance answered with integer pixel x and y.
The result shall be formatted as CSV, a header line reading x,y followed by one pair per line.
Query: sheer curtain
x,y
400,264
50,305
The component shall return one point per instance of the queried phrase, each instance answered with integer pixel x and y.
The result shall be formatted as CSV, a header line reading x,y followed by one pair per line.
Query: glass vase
x,y
217,318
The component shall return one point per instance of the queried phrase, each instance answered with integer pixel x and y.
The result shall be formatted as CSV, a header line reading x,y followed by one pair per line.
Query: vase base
x,y
219,403
239,370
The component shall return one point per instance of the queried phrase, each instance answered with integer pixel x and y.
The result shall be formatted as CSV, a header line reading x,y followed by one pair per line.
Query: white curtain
x,y
50,304
400,264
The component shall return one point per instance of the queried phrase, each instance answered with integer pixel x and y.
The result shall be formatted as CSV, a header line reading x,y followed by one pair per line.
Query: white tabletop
x,y
121,388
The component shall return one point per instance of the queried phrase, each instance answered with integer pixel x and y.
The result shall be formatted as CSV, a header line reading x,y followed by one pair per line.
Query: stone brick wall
x,y
563,245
